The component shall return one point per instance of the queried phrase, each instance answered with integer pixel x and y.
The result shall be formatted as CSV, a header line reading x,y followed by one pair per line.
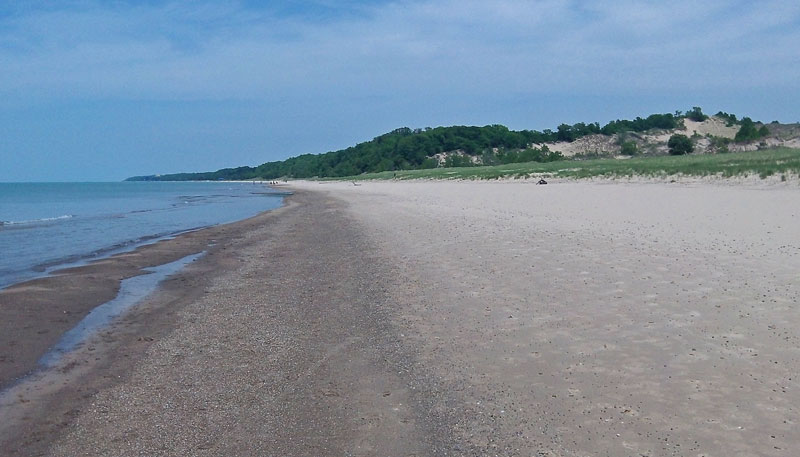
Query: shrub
x,y
680,144
628,148
696,114
730,118
720,144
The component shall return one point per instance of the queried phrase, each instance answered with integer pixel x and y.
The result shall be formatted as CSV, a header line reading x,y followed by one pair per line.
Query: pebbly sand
x,y
454,318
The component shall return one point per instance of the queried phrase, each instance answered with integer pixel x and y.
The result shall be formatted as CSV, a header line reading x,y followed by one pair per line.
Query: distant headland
x,y
678,133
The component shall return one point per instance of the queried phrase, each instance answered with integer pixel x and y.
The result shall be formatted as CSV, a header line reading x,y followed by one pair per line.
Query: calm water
x,y
51,225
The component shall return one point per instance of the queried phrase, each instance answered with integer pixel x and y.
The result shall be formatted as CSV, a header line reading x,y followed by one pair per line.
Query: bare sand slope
x,y
580,319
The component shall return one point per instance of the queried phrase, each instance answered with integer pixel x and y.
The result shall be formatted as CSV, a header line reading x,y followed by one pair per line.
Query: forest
x,y
410,149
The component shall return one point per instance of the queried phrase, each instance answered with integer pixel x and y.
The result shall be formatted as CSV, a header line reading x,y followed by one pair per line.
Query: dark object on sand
x,y
542,181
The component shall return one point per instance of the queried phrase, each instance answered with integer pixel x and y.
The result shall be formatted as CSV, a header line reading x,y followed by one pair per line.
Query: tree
x,y
696,114
749,132
679,145
565,133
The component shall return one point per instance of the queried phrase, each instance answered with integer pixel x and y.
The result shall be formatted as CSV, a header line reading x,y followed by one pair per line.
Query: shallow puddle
x,y
132,291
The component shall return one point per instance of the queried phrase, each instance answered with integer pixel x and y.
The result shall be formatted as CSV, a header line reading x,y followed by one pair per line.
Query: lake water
x,y
45,226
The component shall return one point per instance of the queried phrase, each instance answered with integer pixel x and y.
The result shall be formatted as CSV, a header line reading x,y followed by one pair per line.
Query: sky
x,y
103,90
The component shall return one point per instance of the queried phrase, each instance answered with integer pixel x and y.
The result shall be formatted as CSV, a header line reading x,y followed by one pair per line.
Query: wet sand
x,y
453,318
34,314
276,342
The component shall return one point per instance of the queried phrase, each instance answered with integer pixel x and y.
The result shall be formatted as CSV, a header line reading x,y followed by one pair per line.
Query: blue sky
x,y
102,90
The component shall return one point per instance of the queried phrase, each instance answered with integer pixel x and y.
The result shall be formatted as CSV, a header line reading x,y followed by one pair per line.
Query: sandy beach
x,y
600,318
449,318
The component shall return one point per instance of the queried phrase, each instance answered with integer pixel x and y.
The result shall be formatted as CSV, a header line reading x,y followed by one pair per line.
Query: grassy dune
x,y
780,161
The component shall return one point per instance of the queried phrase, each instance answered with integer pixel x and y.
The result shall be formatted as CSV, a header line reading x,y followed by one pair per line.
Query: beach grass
x,y
782,162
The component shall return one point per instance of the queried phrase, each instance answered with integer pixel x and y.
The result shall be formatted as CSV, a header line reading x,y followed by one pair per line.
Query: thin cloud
x,y
206,49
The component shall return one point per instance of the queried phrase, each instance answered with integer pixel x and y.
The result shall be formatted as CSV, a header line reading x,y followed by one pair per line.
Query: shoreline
x,y
38,311
449,318
259,297
54,267
30,392
110,238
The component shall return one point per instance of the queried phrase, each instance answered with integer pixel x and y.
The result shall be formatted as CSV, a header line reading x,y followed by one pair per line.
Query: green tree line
x,y
407,149
401,149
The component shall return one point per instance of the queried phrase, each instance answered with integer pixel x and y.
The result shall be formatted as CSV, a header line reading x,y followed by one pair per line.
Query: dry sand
x,y
600,319
454,318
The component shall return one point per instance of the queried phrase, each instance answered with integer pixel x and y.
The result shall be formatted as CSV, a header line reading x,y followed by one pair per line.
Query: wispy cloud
x,y
229,50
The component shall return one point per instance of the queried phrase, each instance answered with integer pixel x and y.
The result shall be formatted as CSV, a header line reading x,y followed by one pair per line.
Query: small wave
x,y
43,220
107,251
193,198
